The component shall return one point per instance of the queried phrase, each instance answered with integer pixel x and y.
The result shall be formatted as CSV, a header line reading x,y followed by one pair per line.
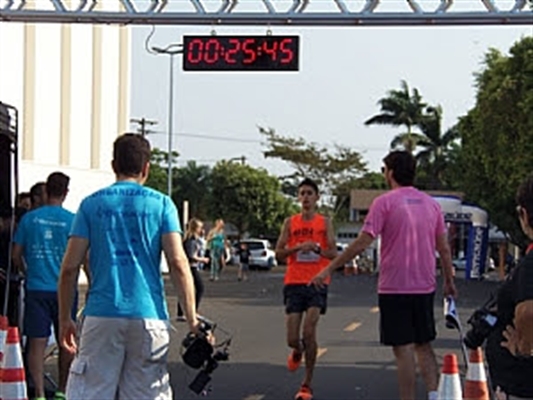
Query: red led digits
x,y
195,51
271,49
241,53
212,50
230,54
288,53
249,51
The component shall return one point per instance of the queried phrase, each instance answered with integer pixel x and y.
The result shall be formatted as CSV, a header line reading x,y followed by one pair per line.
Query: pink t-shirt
x,y
408,222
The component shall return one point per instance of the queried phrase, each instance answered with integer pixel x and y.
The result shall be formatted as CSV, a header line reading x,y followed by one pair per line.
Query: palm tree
x,y
401,108
437,148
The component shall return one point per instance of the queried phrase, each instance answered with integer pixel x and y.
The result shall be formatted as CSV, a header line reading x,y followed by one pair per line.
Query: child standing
x,y
244,262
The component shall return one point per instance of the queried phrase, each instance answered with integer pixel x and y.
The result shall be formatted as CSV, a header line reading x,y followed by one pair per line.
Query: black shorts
x,y
298,298
406,318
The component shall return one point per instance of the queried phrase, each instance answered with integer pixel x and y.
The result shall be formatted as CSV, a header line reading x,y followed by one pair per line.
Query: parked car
x,y
350,264
459,263
261,253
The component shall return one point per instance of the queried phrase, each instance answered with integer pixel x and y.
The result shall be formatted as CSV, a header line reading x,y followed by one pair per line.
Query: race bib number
x,y
307,257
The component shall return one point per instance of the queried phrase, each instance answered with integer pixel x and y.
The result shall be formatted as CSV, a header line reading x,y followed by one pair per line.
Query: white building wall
x,y
34,61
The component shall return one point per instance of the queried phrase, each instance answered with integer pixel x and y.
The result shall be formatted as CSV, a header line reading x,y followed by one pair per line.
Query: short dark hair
x,y
524,197
23,195
309,182
403,166
37,190
131,152
57,184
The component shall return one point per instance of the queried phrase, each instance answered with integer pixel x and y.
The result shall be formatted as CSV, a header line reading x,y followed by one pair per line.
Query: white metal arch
x,y
269,12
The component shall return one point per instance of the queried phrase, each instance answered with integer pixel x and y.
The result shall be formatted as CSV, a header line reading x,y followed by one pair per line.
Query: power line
x,y
242,140
210,137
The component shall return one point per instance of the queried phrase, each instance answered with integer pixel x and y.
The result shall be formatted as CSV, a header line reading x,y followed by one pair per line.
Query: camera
x,y
482,323
200,354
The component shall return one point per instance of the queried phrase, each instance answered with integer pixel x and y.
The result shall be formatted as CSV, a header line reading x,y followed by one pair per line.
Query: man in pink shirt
x,y
411,227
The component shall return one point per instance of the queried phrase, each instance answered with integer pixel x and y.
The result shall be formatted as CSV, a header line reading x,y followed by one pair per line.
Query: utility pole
x,y
242,159
142,124
171,50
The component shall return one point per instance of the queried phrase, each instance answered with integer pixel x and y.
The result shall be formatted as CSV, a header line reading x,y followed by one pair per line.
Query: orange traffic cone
x,y
12,375
449,382
476,387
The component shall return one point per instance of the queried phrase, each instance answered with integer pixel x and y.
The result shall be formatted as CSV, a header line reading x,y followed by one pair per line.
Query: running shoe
x,y
60,396
305,393
294,360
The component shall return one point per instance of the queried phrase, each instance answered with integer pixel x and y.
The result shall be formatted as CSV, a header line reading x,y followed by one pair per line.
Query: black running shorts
x,y
298,298
406,318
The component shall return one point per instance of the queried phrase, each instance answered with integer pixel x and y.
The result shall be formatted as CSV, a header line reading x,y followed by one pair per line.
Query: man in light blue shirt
x,y
40,243
123,347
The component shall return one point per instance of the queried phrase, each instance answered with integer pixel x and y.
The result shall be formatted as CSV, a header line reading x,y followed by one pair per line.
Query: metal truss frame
x,y
265,12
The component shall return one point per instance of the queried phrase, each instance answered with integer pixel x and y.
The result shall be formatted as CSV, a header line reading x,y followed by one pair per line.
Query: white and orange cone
x,y
476,387
3,335
449,382
12,375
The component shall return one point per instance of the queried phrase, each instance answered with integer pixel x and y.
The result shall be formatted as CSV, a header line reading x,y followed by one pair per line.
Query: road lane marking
x,y
255,397
352,327
374,310
320,352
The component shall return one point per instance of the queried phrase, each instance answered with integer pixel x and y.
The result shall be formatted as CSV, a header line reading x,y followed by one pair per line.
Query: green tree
x,y
497,145
332,167
192,183
250,198
157,179
435,155
401,107
370,180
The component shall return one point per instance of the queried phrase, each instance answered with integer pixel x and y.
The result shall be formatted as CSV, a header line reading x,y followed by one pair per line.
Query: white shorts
x,y
121,358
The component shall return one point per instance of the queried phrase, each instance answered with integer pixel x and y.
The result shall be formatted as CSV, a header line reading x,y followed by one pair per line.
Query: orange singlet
x,y
303,266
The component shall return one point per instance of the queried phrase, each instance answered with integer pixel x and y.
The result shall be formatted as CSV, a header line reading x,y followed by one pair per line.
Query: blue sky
x,y
343,73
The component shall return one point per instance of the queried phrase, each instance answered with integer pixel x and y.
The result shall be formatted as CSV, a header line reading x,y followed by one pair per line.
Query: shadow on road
x,y
257,381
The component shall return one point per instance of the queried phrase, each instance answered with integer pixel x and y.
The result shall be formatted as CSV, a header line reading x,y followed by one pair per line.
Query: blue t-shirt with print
x,y
43,234
124,223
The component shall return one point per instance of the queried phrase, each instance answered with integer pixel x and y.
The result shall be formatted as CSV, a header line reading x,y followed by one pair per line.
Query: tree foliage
x,y
436,151
401,107
157,179
497,145
333,168
192,183
250,198
424,134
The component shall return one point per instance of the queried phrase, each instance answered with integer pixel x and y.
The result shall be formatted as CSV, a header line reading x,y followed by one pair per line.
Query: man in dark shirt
x,y
510,345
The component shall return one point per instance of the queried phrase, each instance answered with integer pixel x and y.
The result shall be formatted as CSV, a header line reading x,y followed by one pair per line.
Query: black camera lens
x,y
482,324
200,382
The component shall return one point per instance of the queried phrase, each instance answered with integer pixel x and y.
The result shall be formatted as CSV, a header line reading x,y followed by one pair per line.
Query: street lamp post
x,y
171,50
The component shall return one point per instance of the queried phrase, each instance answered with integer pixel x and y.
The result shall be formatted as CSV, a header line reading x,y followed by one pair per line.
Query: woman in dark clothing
x,y
193,246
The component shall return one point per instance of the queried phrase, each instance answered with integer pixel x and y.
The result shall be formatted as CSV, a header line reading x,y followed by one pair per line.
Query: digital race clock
x,y
240,53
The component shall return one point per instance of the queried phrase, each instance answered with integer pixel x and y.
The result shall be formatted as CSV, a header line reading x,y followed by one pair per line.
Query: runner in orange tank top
x,y
307,242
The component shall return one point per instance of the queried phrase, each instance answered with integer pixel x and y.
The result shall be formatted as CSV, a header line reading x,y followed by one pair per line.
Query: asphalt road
x,y
351,364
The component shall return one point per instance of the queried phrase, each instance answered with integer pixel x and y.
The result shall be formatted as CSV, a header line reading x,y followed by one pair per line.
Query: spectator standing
x,y
244,261
216,243
39,245
411,227
510,345
194,249
38,195
124,340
